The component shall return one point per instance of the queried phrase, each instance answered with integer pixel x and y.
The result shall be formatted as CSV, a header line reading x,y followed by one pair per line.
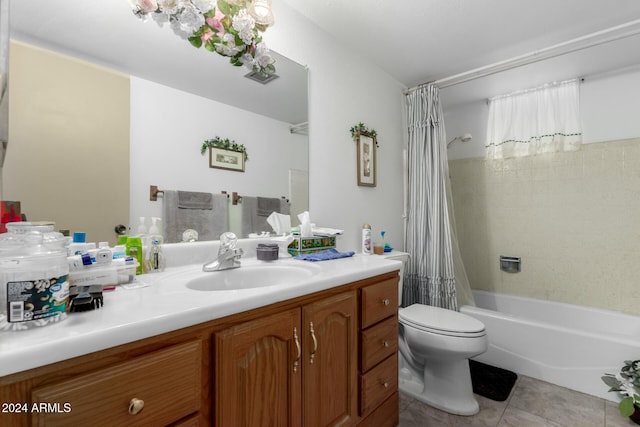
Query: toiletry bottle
x,y
142,228
154,230
79,244
156,259
119,251
154,238
366,239
134,249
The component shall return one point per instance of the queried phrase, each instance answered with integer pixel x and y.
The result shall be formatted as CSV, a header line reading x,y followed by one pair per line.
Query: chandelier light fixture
x,y
261,12
231,28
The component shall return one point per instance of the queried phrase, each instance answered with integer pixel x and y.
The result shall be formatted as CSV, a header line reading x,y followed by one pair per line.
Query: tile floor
x,y
532,403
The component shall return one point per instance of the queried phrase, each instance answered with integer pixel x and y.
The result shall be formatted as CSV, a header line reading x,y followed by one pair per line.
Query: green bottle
x,y
134,249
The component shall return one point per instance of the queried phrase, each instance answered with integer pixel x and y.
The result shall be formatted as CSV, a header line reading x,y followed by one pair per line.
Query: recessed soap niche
x,y
510,264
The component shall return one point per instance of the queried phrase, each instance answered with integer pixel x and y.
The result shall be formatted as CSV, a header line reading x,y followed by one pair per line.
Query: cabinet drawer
x,y
378,342
378,384
378,302
167,383
385,415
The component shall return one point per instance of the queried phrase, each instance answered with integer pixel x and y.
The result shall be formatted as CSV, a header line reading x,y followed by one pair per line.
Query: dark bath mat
x,y
491,382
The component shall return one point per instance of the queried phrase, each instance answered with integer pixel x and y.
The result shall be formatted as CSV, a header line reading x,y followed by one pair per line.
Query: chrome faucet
x,y
228,254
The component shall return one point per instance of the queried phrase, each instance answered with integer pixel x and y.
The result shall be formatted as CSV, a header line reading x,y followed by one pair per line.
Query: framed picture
x,y
366,159
226,159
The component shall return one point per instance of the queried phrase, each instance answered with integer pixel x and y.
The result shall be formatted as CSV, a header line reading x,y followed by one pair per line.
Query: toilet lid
x,y
440,321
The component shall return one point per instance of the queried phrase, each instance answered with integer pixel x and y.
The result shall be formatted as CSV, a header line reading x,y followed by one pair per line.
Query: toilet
x,y
435,346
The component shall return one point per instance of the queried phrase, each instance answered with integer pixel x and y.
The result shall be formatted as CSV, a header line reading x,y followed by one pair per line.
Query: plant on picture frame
x,y
227,144
362,128
225,154
366,159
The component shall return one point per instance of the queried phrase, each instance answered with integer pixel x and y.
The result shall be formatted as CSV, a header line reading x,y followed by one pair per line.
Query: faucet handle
x,y
238,252
228,241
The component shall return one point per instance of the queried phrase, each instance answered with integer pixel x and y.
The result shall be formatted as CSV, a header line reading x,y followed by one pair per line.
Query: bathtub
x,y
568,345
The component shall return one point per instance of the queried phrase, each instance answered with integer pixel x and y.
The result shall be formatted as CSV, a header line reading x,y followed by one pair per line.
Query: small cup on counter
x,y
378,247
267,251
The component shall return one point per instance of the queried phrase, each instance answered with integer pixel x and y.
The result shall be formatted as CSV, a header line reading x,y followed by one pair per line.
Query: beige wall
x,y
574,218
68,154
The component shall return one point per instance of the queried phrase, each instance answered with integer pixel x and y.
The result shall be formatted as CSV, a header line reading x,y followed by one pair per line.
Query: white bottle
x,y
142,228
154,230
366,239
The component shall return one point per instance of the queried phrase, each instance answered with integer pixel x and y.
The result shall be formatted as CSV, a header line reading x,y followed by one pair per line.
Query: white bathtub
x,y
568,345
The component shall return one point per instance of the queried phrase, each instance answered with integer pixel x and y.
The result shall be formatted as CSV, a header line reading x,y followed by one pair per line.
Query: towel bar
x,y
153,193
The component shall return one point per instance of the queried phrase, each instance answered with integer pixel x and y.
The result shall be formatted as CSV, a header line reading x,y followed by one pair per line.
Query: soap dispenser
x,y
154,230
142,228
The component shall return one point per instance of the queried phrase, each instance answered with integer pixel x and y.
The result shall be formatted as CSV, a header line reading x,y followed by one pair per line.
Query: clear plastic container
x,y
34,287
118,272
16,232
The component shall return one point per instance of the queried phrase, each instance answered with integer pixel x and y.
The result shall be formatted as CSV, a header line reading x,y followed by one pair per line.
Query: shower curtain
x,y
435,274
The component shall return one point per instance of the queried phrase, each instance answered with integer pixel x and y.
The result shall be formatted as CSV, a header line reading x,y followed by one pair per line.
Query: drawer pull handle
x,y
385,301
385,384
385,343
136,406
295,338
315,342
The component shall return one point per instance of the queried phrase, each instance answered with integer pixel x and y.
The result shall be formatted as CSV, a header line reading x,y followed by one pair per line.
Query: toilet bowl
x,y
435,346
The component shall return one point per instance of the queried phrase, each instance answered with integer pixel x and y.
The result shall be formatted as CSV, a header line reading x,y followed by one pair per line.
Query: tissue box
x,y
307,245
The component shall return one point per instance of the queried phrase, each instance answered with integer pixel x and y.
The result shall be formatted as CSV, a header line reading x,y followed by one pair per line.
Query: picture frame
x,y
366,160
221,158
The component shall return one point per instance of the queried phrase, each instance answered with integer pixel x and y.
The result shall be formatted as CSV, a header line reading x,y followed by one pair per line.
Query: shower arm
x,y
464,138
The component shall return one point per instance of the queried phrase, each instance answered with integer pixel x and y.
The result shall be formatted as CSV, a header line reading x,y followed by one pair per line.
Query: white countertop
x,y
167,304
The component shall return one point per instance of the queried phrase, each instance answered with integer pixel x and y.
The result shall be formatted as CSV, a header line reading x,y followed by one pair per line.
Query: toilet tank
x,y
403,257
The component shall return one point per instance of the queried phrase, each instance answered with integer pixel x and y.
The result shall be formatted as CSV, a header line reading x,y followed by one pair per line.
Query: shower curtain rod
x,y
584,42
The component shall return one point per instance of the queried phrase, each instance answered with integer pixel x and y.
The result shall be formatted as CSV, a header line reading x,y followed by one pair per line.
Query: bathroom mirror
x,y
175,97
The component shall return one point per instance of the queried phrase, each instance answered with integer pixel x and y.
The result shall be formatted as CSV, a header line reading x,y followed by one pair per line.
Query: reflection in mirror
x,y
4,75
98,119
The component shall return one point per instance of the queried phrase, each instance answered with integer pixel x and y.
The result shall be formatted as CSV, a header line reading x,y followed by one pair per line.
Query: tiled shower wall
x,y
573,218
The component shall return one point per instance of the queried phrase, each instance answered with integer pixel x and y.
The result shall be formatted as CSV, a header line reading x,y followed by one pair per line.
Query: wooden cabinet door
x,y
258,374
330,357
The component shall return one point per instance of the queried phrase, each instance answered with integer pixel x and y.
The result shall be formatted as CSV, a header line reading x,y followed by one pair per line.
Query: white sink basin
x,y
249,277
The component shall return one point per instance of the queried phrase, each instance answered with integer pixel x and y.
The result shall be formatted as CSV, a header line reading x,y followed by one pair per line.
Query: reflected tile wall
x,y
573,217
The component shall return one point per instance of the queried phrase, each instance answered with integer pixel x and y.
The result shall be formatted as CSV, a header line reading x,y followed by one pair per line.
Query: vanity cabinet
x,y
294,368
324,359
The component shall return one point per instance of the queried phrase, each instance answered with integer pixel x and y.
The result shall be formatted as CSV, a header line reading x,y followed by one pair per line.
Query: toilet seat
x,y
441,321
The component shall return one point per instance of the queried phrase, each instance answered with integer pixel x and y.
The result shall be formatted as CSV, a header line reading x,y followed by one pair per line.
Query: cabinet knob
x,y
136,406
385,301
385,343
385,384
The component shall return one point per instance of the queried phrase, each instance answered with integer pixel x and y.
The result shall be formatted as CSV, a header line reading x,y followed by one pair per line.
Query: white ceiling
x,y
107,33
414,41
418,41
